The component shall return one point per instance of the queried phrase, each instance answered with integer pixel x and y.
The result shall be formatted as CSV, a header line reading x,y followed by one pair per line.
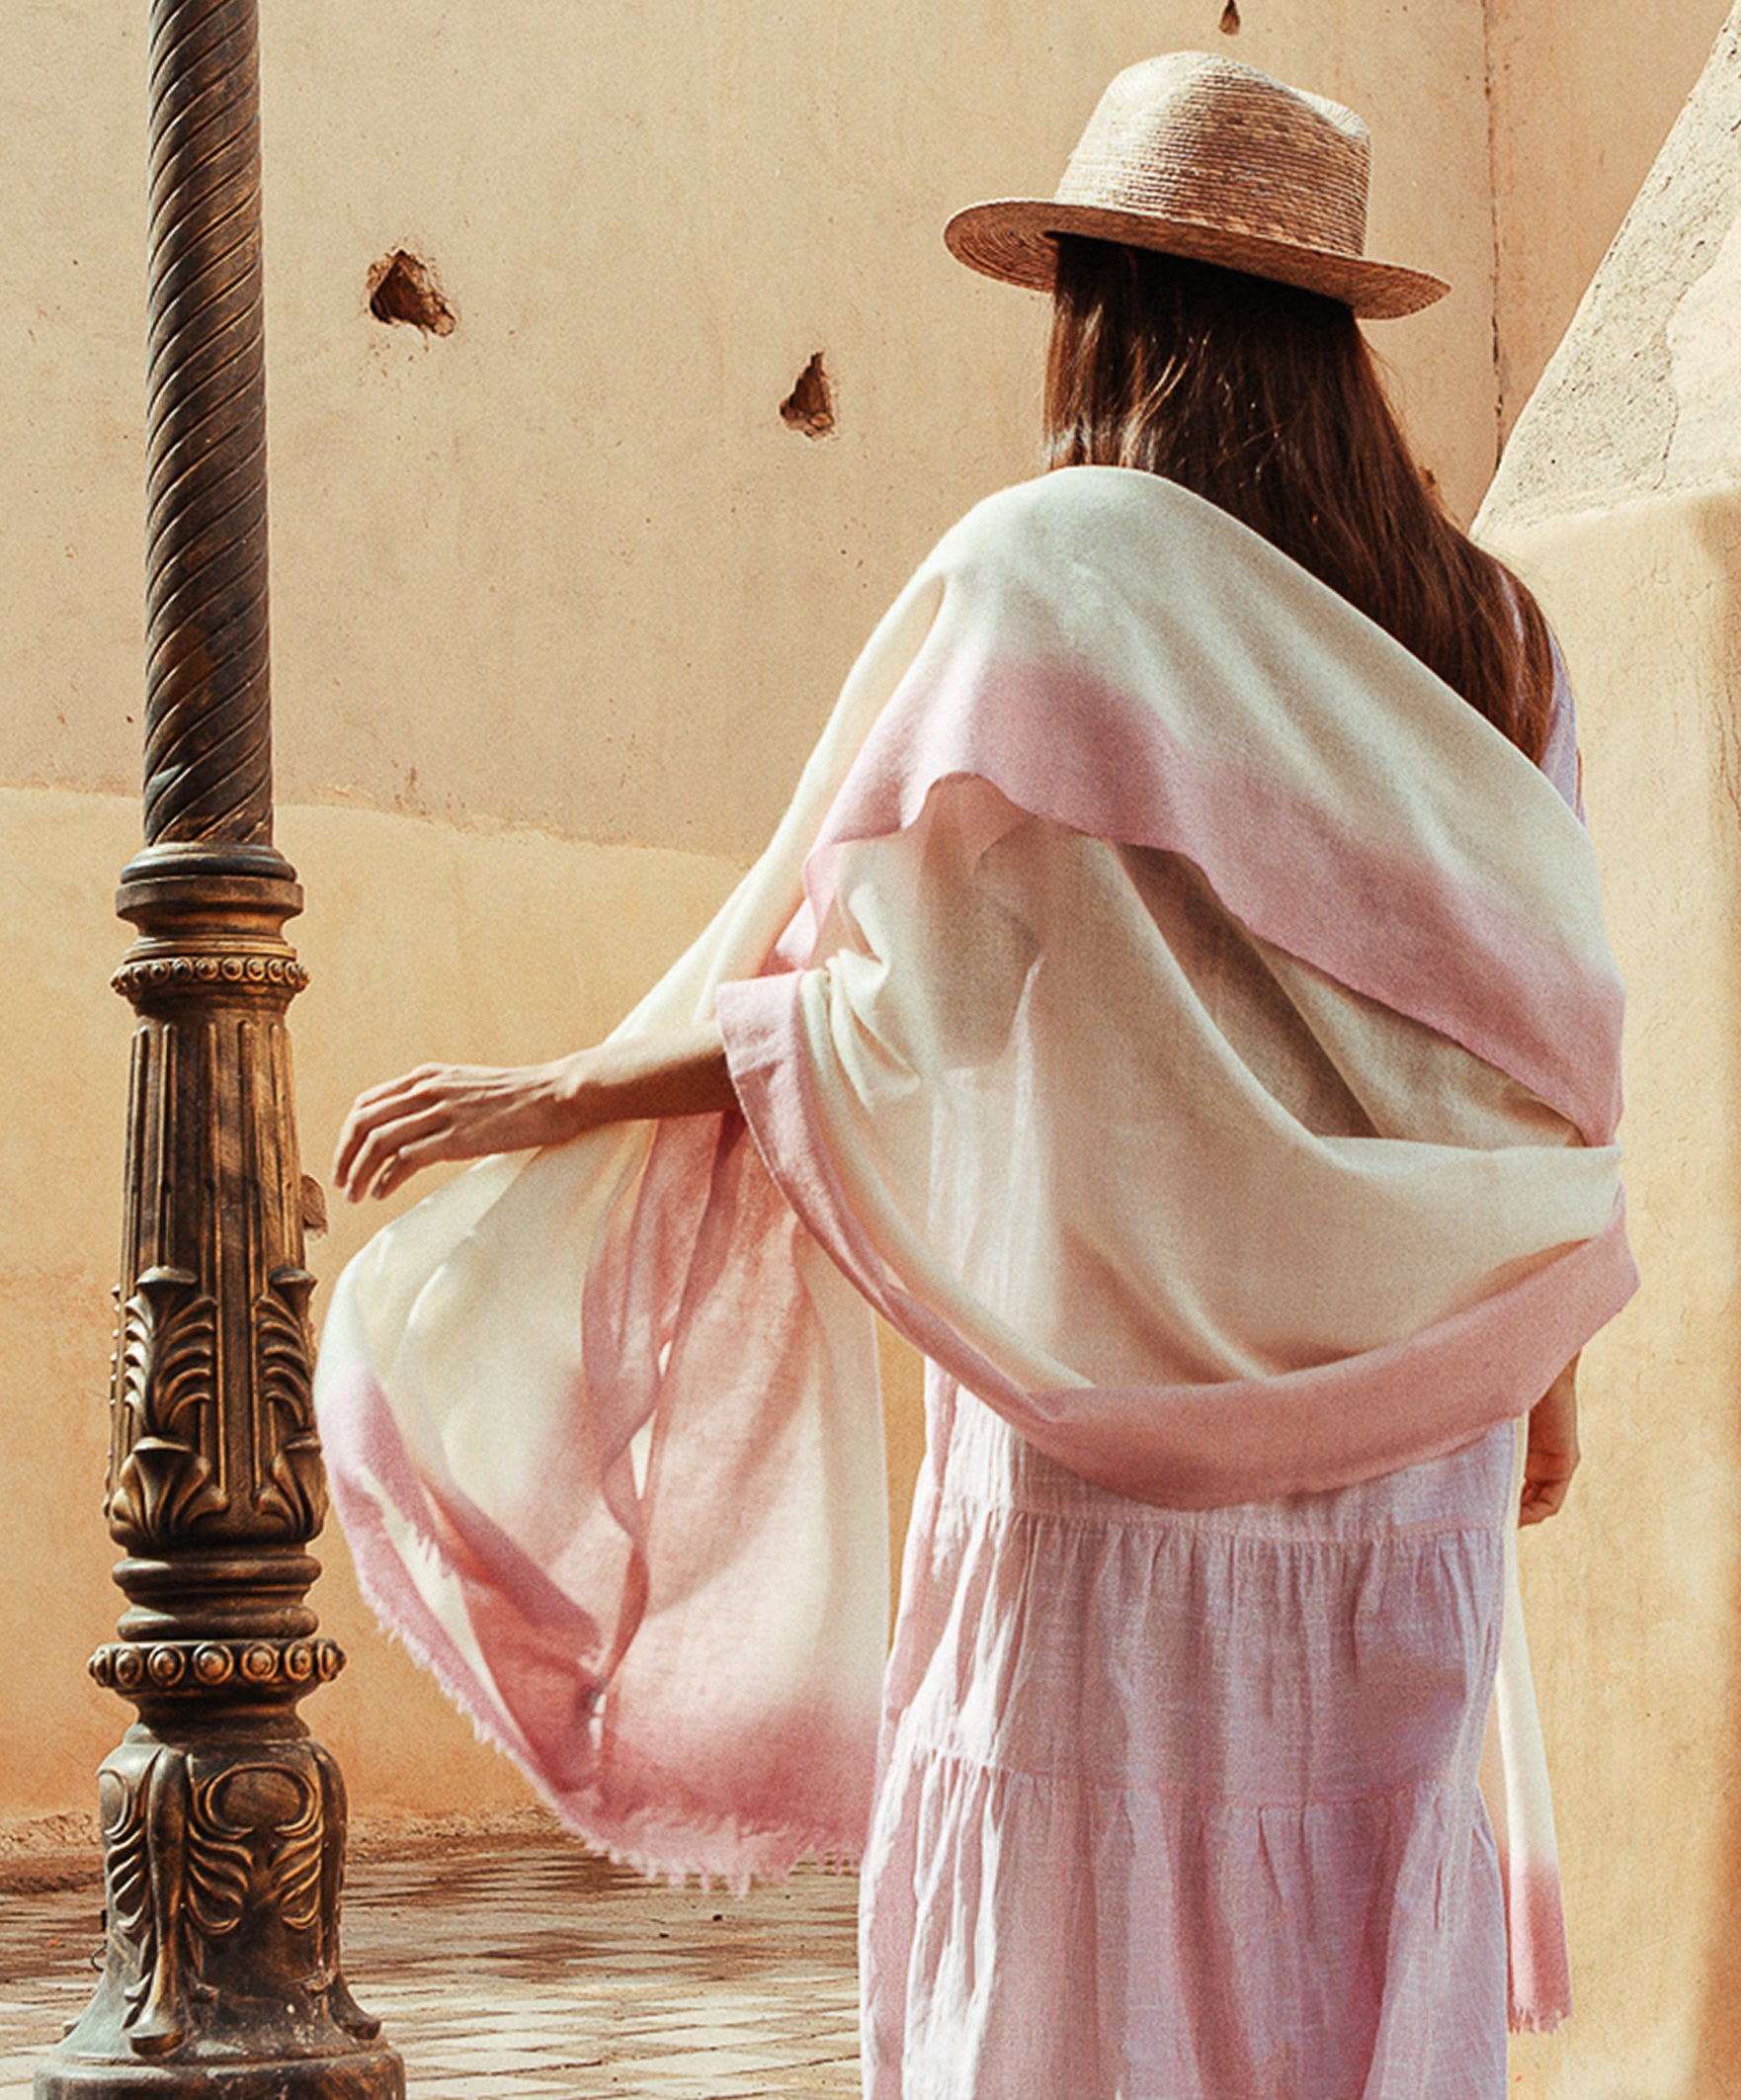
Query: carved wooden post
x,y
224,1821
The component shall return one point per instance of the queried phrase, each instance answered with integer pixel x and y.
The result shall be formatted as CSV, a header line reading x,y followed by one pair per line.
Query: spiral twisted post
x,y
208,689
224,1821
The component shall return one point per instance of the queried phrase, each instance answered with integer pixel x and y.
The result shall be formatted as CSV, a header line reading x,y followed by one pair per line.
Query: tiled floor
x,y
521,1967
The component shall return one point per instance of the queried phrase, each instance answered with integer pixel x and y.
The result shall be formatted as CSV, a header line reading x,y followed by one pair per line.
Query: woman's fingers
x,y
420,1152
1551,1453
378,1104
386,1087
390,1141
396,1165
463,1111
1544,1495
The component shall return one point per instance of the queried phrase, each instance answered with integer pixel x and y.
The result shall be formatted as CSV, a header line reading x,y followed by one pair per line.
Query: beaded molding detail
x,y
184,973
208,1665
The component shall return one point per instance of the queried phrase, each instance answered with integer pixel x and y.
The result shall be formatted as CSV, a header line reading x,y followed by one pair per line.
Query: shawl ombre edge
x,y
687,1663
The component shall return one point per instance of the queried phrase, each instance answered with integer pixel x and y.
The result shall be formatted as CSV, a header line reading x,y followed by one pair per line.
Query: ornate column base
x,y
223,1852
363,2075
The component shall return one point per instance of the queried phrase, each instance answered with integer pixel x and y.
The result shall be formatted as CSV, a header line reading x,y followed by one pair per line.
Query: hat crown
x,y
1195,155
1203,139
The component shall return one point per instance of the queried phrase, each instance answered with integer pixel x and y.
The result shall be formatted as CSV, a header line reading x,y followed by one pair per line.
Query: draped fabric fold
x,y
1165,1003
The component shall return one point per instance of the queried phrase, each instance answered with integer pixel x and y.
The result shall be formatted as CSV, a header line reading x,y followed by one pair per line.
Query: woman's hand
x,y
451,1111
464,1110
1551,1453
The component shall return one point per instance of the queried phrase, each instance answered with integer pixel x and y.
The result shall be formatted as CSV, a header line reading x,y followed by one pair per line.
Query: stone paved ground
x,y
517,1966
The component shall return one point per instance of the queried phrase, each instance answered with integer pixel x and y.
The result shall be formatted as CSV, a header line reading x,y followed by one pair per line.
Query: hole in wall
x,y
809,407
403,288
1231,19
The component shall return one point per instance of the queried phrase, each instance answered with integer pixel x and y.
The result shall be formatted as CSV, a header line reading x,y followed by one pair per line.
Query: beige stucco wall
x,y
1632,1594
566,565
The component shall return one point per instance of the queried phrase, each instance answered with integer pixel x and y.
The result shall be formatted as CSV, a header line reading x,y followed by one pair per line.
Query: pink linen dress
x,y
1183,1804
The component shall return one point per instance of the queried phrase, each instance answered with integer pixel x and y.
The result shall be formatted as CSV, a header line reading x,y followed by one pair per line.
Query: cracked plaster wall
x,y
566,566
1639,397
1582,98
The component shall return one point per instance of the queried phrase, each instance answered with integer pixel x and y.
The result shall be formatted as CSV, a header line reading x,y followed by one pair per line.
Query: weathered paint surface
x,y
1639,399
1633,1593
1582,95
567,566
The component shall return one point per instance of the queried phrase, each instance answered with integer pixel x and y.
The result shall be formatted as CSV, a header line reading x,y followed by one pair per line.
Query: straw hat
x,y
1202,157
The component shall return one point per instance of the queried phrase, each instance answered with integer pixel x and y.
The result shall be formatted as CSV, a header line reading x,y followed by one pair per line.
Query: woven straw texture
x,y
1203,157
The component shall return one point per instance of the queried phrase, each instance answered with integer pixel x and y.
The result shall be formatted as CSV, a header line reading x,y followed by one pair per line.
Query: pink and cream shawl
x,y
1164,1002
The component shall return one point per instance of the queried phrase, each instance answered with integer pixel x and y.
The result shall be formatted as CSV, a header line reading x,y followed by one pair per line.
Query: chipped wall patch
x,y
403,288
809,407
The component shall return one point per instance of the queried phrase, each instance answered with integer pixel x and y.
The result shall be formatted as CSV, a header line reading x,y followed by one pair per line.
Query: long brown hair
x,y
1265,401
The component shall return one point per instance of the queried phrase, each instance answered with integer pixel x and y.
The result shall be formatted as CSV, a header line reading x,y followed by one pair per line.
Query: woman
x,y
1177,1001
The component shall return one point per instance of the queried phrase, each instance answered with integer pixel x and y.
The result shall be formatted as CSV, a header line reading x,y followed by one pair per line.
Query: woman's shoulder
x,y
1069,498
1096,518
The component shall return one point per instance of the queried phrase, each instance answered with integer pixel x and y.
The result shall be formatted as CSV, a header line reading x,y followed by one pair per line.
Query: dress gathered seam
x,y
918,1747
1128,1517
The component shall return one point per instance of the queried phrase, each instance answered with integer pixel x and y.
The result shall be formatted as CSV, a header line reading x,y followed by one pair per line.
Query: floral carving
x,y
294,1489
127,1865
165,1484
142,1801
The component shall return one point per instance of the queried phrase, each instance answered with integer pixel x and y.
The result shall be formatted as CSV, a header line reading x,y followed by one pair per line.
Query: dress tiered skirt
x,y
1182,1806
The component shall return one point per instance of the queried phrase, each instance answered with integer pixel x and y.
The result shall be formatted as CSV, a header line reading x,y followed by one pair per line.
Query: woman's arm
x,y
464,1110
1550,1455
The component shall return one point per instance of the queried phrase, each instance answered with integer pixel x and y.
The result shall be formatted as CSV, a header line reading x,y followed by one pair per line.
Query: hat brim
x,y
1011,239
